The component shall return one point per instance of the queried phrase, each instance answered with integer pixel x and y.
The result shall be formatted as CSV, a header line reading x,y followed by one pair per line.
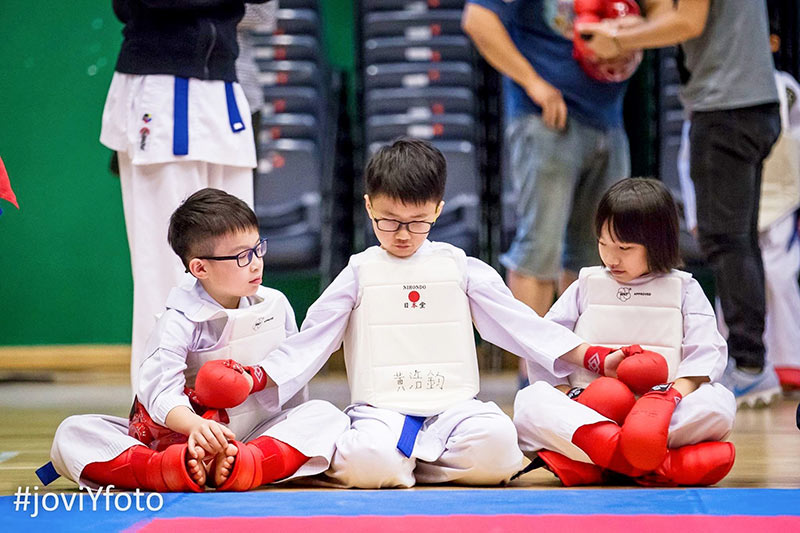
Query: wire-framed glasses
x,y
245,257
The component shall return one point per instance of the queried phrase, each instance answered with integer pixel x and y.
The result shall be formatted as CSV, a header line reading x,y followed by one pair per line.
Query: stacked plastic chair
x,y
420,80
297,140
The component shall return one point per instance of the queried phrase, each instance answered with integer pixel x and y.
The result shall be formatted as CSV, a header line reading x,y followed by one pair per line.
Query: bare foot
x,y
223,465
195,467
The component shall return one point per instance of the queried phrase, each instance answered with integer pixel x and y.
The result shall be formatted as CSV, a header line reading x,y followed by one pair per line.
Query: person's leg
x,y
727,151
607,163
95,450
366,454
150,194
83,439
547,419
781,266
311,429
707,414
139,467
534,292
544,167
480,449
237,181
696,455
562,429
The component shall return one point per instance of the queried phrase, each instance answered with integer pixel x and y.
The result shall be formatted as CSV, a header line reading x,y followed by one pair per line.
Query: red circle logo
x,y
413,296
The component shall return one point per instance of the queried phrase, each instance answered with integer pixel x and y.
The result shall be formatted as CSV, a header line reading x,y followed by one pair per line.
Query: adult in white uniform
x,y
179,122
635,298
217,316
405,312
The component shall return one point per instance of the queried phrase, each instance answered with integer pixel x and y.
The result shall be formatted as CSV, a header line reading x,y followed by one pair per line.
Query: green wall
x,y
64,264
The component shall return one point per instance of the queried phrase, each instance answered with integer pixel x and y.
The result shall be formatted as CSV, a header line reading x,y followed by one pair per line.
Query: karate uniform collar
x,y
192,300
641,279
425,247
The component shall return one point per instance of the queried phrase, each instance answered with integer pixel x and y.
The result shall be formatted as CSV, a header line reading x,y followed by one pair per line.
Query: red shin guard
x,y
261,461
609,397
571,473
142,468
601,443
698,464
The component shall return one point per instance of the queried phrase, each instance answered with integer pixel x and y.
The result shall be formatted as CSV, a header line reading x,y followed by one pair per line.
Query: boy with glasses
x,y
187,429
405,311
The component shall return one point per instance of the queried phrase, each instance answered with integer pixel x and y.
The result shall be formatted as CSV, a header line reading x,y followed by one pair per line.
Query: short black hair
x,y
642,211
411,171
203,217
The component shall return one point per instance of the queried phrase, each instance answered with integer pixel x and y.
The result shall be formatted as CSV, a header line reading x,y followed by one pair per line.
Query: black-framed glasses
x,y
245,257
415,226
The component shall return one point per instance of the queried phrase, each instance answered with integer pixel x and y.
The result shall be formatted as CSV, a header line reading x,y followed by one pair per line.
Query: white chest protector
x,y
616,314
247,336
409,345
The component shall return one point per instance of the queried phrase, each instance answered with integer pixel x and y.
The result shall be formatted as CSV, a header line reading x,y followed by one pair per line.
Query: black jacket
x,y
185,38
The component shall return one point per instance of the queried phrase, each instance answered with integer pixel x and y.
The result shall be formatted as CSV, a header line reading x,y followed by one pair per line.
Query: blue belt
x,y
408,436
180,131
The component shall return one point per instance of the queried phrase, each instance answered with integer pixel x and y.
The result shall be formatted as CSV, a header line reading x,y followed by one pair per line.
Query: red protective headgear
x,y
614,70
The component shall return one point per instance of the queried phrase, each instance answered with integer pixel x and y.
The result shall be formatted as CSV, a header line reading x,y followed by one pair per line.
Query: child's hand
x,y
602,360
612,361
211,436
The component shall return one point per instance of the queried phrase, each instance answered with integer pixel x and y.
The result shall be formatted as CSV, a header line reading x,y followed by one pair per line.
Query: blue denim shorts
x,y
558,178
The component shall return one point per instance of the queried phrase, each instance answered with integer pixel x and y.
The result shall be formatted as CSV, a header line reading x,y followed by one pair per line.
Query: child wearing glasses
x,y
187,429
405,311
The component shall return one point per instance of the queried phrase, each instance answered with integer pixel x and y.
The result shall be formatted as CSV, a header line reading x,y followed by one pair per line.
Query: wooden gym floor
x,y
32,405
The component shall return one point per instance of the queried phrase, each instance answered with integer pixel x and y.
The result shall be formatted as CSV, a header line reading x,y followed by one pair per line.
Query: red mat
x,y
479,524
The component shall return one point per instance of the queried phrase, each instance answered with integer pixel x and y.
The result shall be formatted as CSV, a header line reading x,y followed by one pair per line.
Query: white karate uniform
x,y
780,246
138,124
311,427
472,442
547,419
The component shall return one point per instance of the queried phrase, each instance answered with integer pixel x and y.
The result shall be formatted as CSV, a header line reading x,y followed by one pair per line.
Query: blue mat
x,y
318,502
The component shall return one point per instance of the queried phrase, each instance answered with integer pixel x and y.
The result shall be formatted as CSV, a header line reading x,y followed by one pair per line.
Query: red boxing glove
x,y
585,11
221,384
643,439
595,359
595,8
609,397
615,70
641,370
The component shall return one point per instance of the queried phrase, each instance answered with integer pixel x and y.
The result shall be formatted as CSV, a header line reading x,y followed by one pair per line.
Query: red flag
x,y
5,186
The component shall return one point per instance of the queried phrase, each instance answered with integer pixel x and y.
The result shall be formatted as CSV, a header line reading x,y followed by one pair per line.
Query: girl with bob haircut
x,y
651,411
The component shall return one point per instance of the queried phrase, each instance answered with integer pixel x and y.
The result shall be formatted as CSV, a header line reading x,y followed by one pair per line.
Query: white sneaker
x,y
752,390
